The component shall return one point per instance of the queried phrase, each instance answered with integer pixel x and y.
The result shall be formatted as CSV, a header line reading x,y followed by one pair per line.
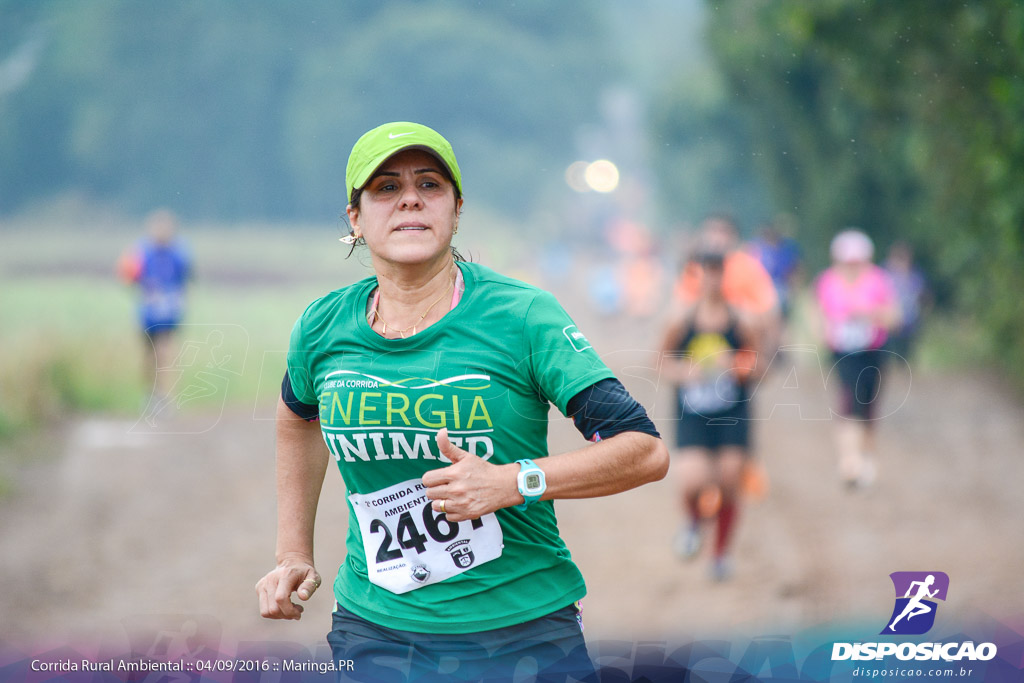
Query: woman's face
x,y
407,212
852,269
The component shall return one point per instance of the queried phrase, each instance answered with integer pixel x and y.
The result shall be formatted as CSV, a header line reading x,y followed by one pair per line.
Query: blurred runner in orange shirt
x,y
745,283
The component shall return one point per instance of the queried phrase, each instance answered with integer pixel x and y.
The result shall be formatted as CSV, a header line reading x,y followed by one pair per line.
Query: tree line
x,y
902,118
234,110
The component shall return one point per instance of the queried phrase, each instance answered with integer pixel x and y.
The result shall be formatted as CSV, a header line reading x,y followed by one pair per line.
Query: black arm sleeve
x,y
306,411
605,409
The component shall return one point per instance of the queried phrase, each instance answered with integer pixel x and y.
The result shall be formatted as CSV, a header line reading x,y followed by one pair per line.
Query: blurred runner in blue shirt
x,y
780,256
912,292
160,266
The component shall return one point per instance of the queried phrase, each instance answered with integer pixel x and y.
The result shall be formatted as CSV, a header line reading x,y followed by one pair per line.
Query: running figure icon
x,y
917,595
916,606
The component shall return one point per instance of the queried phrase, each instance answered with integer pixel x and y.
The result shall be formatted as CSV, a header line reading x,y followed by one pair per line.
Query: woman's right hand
x,y
292,575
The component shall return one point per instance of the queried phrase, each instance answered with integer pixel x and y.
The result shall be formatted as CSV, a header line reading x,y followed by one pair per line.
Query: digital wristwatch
x,y
532,484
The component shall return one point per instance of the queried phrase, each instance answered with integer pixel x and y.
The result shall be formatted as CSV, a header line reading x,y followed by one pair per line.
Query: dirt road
x,y
121,528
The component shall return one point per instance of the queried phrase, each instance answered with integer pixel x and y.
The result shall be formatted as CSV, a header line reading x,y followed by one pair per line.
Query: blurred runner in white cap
x,y
858,308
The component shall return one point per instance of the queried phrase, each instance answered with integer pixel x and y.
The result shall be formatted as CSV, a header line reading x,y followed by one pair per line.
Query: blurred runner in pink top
x,y
856,299
858,307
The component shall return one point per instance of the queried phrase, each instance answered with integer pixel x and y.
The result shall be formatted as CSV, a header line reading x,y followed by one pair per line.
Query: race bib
x,y
854,335
711,397
164,305
409,546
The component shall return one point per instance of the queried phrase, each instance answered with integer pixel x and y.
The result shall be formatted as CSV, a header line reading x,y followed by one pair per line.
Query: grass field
x,y
68,330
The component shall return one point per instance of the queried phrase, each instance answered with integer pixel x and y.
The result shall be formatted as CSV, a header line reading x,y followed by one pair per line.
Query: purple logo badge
x,y
916,592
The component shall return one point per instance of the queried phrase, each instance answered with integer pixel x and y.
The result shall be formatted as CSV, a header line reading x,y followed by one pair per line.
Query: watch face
x,y
532,481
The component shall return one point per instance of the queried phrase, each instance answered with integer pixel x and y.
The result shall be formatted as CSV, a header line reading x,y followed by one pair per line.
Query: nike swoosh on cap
x,y
392,136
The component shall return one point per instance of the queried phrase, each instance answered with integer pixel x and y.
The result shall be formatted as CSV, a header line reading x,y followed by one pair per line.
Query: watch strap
x,y
524,467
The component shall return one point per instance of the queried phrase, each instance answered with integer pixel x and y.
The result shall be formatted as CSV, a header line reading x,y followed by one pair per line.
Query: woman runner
x,y
429,385
858,307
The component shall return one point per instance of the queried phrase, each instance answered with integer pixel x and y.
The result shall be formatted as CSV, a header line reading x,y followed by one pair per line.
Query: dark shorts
x,y
551,647
154,330
860,380
713,431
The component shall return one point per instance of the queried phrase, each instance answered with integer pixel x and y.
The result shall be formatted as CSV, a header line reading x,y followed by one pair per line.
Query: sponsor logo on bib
x,y
462,554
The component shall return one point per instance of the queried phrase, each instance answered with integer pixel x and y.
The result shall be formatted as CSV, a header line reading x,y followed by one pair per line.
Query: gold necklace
x,y
384,332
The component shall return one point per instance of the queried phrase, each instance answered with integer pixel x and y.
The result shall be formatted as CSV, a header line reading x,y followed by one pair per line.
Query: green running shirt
x,y
487,371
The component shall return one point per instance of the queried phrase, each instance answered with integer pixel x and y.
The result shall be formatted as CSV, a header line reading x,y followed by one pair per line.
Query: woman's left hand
x,y
470,487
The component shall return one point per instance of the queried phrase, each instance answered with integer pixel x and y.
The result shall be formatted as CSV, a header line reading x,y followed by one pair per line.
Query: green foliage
x,y
703,152
64,350
902,118
240,110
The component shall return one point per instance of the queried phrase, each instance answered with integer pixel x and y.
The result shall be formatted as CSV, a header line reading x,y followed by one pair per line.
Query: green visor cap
x,y
380,144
